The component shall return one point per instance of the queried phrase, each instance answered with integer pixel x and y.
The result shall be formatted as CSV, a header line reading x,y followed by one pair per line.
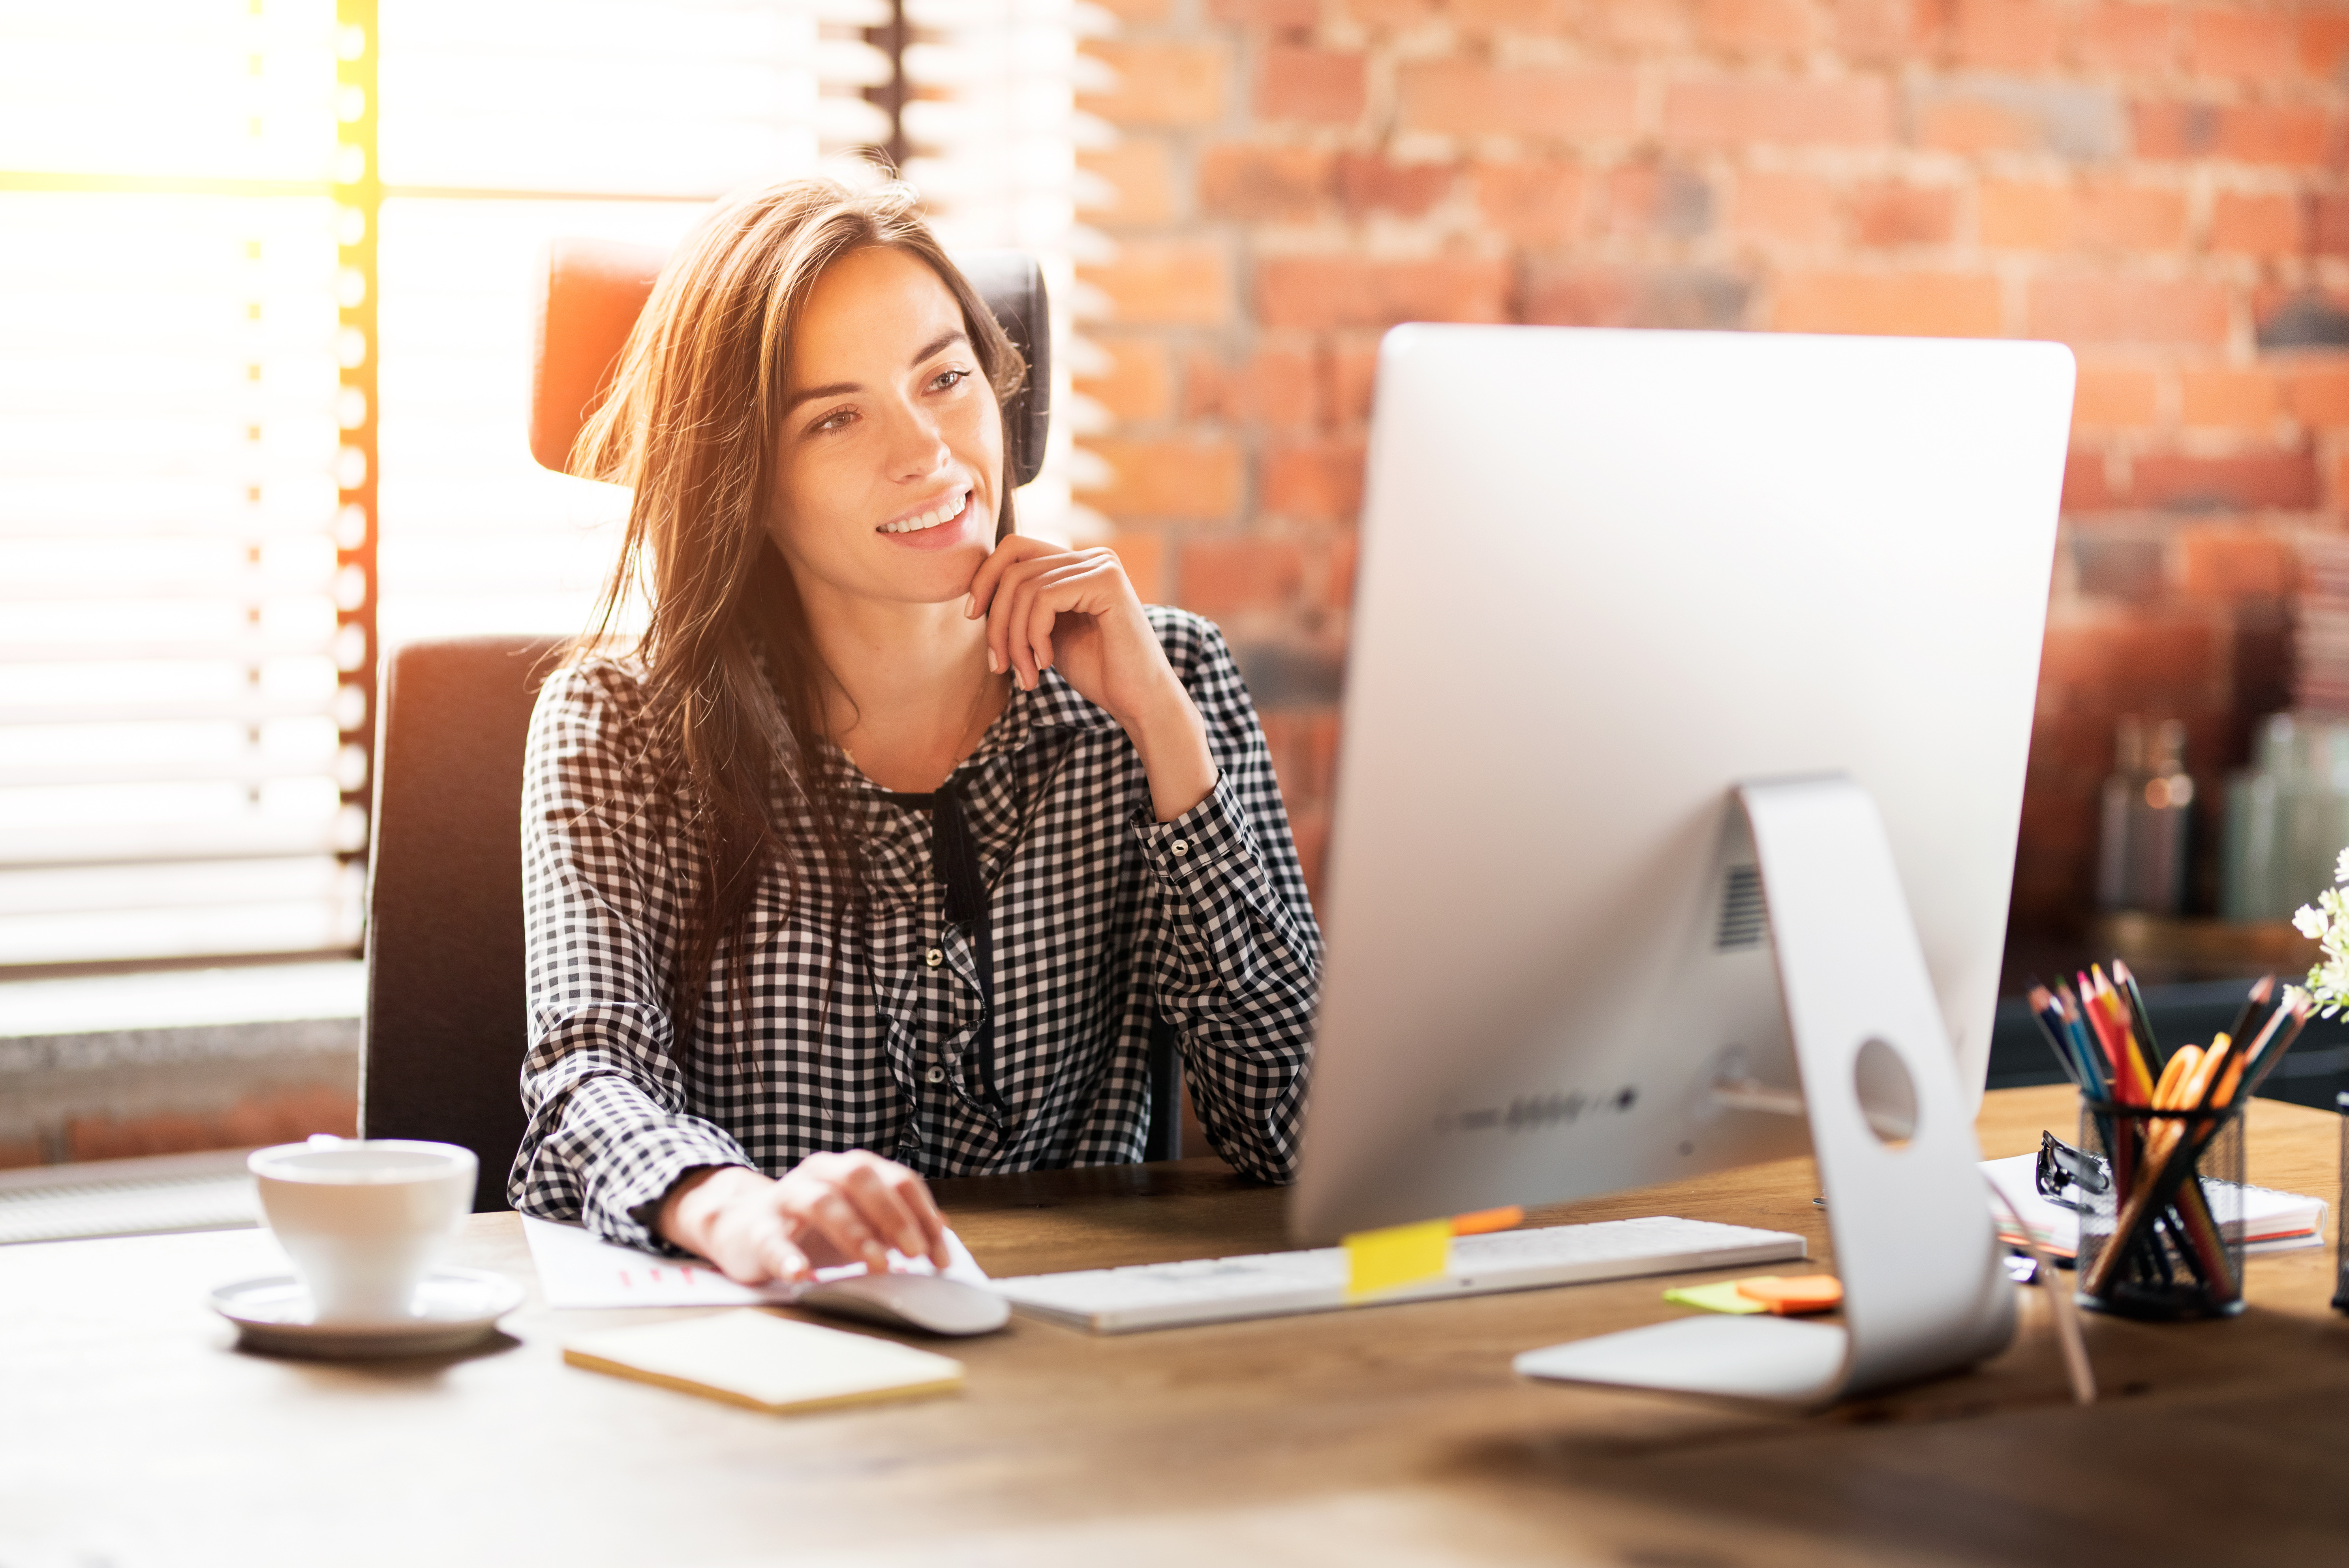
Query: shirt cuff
x,y
641,1164
1200,841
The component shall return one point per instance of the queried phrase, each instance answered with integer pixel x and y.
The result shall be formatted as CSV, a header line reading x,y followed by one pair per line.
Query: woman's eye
x,y
836,420
948,379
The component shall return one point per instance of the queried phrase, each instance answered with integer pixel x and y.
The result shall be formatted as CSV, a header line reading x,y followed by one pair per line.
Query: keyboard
x,y
1276,1284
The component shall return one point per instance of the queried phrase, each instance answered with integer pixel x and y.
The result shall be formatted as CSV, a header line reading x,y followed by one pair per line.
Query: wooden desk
x,y
129,1429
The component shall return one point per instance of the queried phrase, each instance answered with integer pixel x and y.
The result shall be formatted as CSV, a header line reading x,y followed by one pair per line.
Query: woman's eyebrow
x,y
835,389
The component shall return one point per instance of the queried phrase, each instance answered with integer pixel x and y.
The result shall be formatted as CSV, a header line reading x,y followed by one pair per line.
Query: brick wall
x,y
2153,183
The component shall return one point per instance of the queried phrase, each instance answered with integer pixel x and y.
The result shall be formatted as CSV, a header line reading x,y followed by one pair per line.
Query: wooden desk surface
x,y
131,1433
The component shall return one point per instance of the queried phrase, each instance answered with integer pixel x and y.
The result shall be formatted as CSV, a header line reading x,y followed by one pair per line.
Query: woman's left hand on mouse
x,y
830,1209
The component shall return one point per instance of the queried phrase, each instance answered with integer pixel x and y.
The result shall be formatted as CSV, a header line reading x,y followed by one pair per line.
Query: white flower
x,y
2341,867
2310,921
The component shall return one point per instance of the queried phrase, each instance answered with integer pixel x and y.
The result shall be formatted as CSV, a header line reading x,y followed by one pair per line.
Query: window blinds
x,y
267,272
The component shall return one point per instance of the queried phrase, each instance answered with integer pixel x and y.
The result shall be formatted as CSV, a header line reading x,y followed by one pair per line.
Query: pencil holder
x,y
2164,1239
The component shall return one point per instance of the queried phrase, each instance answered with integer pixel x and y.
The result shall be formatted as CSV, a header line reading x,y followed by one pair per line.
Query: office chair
x,y
445,1031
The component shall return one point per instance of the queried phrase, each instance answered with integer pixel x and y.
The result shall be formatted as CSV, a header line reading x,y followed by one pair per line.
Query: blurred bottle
x,y
2287,818
2149,800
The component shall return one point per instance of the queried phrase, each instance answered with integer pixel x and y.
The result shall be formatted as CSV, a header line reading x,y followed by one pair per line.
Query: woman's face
x,y
892,449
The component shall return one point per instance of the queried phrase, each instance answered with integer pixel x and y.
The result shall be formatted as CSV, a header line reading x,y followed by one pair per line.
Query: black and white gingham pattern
x,y
852,1029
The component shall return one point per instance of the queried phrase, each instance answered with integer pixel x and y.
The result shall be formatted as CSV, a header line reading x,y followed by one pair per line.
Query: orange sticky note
x,y
1795,1295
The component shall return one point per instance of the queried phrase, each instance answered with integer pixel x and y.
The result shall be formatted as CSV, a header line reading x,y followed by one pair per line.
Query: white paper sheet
x,y
577,1270
2277,1222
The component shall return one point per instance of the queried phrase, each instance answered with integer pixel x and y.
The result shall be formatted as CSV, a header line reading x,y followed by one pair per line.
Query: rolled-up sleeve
x,y
1237,960
605,1133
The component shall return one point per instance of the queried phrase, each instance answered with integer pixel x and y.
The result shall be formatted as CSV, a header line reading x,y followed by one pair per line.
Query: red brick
x,y
1729,112
20,1154
1615,294
1926,305
1887,31
1161,84
1794,209
2126,310
280,1116
1221,577
1339,567
1138,383
1321,292
2319,394
1178,283
2130,218
2267,225
1144,556
2228,399
1539,203
1280,15
1653,24
1549,17
1466,99
1311,829
1277,387
1956,122
1885,213
2005,35
2324,44
2088,484
2248,481
2328,225
2227,563
1757,26
1368,182
2132,39
1143,11
1396,15
1304,746
1311,85
1350,373
2024,217
2258,47
1320,481
1644,200
1138,169
1244,180
2115,398
1192,478
2247,132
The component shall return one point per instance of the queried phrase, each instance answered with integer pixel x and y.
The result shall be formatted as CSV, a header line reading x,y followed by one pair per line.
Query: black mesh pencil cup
x,y
2164,1239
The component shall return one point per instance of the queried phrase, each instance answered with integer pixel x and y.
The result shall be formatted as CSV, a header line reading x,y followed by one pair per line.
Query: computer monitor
x,y
1607,578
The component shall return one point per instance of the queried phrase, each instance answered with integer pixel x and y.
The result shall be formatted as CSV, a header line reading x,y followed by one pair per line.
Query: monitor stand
x,y
1924,1292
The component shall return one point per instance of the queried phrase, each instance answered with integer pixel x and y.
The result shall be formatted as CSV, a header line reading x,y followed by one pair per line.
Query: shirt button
x,y
1181,846
934,958
935,1075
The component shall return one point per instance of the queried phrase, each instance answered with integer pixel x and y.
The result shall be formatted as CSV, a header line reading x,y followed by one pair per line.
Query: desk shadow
x,y
2016,1483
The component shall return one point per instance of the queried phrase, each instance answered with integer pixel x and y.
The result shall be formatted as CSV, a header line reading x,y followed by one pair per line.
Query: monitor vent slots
x,y
1745,916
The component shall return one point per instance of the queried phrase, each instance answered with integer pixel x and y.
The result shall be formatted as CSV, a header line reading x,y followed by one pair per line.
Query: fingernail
x,y
994,662
969,607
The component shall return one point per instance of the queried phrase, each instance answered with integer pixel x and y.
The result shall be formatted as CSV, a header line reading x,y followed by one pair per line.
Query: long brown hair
x,y
692,424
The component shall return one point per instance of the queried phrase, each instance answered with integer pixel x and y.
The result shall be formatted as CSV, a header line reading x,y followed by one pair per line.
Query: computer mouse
x,y
927,1302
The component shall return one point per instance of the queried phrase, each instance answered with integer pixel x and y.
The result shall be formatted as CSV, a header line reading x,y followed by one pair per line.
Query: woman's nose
x,y
917,447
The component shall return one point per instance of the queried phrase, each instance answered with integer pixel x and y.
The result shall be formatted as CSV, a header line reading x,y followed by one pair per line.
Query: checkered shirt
x,y
851,1028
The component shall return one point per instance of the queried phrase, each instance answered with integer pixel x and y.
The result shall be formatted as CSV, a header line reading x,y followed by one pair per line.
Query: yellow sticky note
x,y
1719,1296
1397,1255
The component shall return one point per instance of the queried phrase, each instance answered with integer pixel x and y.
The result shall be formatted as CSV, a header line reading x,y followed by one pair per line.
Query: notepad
x,y
2272,1221
768,1362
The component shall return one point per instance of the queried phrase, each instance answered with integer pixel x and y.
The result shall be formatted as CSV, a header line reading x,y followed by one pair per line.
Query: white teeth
x,y
948,510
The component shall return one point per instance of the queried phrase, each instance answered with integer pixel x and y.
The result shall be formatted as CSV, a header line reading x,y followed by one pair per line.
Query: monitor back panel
x,y
1605,576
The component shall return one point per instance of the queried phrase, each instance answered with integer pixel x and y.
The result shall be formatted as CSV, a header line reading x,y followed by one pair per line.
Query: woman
x,y
879,855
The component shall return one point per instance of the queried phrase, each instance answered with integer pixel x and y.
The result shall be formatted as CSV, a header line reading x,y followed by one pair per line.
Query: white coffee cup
x,y
363,1218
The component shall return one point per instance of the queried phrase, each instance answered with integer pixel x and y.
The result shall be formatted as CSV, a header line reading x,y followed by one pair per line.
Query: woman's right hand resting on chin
x,y
828,1209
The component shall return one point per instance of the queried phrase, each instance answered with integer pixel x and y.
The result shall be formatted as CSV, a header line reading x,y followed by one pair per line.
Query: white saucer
x,y
454,1308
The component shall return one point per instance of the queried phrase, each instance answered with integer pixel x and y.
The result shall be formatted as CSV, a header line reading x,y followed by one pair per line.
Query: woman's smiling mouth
x,y
945,510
